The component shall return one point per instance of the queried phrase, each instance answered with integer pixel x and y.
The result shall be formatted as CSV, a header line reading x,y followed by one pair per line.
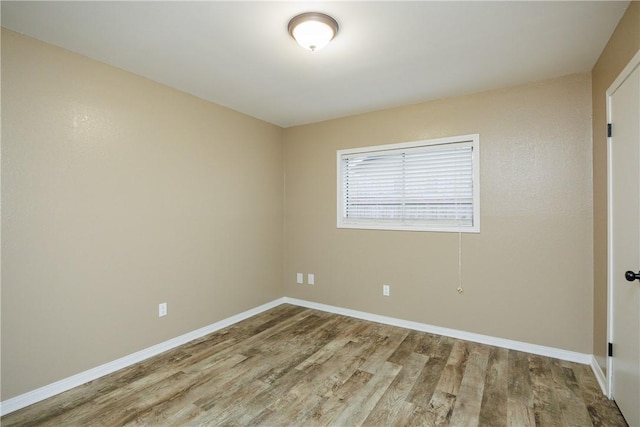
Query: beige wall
x,y
119,193
624,43
527,275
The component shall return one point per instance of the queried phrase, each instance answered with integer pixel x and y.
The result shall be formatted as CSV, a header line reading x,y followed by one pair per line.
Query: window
x,y
428,185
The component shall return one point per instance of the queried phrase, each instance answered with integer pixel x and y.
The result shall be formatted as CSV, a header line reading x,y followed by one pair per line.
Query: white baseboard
x,y
556,353
29,398
63,385
600,377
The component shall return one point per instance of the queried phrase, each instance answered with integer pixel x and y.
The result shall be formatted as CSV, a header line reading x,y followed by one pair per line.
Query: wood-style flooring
x,y
293,366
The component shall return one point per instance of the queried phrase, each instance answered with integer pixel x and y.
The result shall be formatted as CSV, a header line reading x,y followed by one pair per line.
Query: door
x,y
624,246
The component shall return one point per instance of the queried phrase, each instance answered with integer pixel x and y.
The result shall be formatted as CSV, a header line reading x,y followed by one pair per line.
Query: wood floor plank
x,y
259,406
436,413
79,400
320,380
466,411
393,402
453,371
368,396
336,370
295,366
572,406
432,345
545,403
602,411
205,400
405,349
179,415
519,391
493,411
330,408
425,385
394,337
348,327
254,329
282,361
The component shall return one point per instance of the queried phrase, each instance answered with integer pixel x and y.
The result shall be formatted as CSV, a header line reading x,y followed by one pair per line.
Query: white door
x,y
624,190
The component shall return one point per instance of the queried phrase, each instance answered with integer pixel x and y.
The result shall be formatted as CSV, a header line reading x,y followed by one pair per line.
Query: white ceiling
x,y
386,54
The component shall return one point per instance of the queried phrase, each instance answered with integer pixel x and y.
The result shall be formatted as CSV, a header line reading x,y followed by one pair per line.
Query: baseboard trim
x,y
571,356
600,377
37,395
42,393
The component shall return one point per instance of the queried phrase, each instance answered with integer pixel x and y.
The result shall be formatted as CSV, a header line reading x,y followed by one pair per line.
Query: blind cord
x,y
460,289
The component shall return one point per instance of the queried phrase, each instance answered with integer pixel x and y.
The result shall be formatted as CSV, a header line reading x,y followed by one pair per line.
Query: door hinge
x,y
609,130
610,352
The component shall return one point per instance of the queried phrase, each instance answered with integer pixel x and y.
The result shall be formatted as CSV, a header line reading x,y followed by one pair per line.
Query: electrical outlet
x,y
162,309
311,279
386,290
299,278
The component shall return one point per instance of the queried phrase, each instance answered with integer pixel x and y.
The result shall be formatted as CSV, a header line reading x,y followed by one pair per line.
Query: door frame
x,y
626,72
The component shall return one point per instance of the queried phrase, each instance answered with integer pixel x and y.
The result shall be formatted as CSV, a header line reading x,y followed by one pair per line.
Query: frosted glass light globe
x,y
313,30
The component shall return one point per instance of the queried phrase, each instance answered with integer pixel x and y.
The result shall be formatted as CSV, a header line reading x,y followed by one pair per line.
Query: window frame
x,y
397,225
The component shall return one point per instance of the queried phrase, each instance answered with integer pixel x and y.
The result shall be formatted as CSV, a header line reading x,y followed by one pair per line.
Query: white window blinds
x,y
425,185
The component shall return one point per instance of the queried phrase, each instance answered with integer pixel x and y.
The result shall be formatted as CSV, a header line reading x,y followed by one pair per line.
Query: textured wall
x,y
527,275
623,44
118,194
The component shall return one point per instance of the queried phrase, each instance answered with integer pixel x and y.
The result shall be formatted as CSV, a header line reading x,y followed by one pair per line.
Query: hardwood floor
x,y
299,367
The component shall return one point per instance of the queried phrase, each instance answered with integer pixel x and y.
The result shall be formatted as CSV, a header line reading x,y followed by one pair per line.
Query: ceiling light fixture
x,y
313,30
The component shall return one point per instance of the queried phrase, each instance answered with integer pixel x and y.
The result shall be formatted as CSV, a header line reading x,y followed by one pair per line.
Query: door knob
x,y
631,276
